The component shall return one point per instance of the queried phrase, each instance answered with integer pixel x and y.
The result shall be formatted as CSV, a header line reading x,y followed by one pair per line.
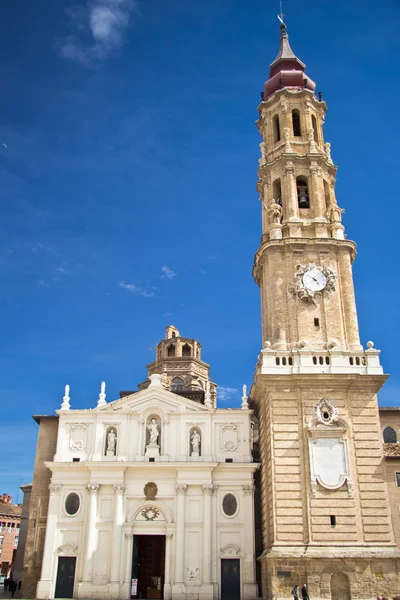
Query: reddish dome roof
x,y
287,71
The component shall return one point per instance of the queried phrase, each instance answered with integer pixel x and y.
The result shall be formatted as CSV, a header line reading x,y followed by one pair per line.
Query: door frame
x,y
65,551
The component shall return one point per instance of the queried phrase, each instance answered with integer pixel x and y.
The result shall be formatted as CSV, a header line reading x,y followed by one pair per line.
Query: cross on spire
x,y
281,15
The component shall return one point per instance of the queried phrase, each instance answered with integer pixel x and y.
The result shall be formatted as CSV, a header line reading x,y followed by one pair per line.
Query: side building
x,y
151,495
10,522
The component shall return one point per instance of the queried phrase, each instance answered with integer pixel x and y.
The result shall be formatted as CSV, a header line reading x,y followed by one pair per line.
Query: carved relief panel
x,y
78,436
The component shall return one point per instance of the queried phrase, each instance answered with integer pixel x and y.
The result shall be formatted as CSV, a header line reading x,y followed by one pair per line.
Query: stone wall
x,y
45,450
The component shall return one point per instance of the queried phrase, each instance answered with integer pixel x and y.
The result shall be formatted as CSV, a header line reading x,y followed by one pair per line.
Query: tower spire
x,y
287,70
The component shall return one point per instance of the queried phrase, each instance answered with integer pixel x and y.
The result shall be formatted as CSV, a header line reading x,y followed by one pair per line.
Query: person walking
x,y
295,592
304,593
6,582
12,586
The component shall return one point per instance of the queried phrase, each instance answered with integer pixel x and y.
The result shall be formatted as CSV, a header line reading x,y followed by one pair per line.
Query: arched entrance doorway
x,y
340,587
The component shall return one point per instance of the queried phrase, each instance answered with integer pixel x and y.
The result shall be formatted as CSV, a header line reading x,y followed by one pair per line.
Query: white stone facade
x,y
185,505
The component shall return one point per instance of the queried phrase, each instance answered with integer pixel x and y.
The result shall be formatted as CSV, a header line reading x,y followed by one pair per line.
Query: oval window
x,y
229,505
72,504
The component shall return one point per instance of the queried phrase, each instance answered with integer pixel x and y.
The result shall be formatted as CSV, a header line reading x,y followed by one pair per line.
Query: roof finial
x,y
281,15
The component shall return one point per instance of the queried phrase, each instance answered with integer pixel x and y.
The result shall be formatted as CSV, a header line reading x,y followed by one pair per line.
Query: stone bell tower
x,y
323,494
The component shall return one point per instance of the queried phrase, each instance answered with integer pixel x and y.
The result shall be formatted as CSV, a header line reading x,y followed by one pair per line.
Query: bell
x,y
303,201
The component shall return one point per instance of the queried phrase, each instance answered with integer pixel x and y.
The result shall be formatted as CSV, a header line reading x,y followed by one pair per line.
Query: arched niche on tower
x,y
303,196
276,128
186,350
171,350
315,129
296,122
277,191
177,384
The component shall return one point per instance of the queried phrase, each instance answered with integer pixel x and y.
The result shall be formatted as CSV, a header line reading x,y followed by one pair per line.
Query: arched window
x,y
277,191
171,350
314,126
177,384
277,129
173,334
186,350
302,192
296,123
389,435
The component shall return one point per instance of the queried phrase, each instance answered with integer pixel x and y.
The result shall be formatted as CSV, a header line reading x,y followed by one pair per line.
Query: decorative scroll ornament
x,y
326,412
54,488
304,292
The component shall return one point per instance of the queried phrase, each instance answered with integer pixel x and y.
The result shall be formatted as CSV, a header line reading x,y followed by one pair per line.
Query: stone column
x,y
164,438
207,533
167,573
180,533
348,299
51,539
249,575
91,531
118,521
128,563
290,204
317,200
140,437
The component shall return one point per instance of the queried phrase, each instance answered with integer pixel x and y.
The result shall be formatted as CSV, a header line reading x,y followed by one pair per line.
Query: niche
x,y
302,192
314,126
195,441
186,350
111,438
171,350
277,191
277,128
153,431
296,123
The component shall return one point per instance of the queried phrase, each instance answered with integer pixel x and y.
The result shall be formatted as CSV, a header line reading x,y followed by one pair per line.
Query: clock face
x,y
314,280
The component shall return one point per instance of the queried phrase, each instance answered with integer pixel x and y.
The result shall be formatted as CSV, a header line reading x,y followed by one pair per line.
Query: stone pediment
x,y
153,396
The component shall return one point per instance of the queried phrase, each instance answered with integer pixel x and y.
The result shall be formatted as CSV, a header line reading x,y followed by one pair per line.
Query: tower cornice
x,y
300,244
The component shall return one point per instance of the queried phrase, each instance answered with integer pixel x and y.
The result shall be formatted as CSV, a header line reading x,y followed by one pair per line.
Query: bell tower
x,y
303,254
324,500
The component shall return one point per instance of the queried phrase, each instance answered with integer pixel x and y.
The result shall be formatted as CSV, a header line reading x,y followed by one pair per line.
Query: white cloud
x,y
167,273
225,393
61,270
135,289
104,21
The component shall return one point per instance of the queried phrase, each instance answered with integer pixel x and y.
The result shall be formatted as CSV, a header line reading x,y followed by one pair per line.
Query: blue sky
x,y
128,163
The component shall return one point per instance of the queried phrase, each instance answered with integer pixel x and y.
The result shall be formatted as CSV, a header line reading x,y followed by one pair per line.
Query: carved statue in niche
x,y
154,433
195,443
111,443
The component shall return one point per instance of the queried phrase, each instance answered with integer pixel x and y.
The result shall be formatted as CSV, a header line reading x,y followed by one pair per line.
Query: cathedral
x,y
161,494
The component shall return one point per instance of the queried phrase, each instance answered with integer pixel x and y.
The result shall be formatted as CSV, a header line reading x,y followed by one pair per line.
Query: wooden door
x,y
230,579
65,577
